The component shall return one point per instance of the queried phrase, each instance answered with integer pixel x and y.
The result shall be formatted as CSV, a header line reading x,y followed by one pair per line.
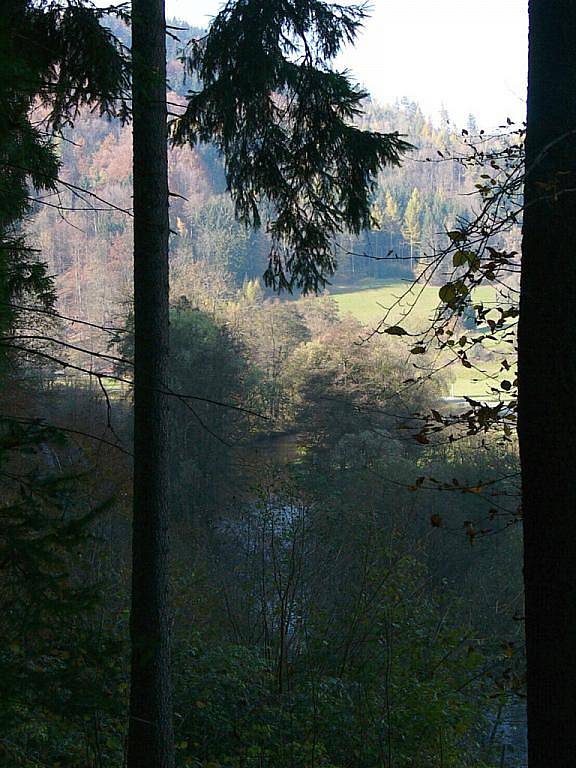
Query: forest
x,y
286,414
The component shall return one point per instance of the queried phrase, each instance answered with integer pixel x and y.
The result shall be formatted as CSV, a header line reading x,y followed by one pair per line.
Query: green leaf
x,y
396,330
447,293
460,258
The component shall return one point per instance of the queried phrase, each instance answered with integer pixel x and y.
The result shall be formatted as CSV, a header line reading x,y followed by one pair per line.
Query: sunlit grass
x,y
414,308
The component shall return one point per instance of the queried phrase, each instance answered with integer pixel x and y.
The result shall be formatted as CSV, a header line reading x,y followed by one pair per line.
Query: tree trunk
x,y
150,735
547,384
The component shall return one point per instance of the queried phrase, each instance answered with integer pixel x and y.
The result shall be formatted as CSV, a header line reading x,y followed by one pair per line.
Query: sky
x,y
468,56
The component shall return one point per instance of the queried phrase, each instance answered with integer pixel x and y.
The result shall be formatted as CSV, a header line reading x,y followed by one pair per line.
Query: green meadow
x,y
414,307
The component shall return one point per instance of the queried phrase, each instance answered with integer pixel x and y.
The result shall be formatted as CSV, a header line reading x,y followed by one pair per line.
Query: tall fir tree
x,y
150,733
283,119
55,59
285,129
547,381
57,56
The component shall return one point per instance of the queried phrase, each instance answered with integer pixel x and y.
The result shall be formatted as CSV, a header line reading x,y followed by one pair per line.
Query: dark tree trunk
x,y
150,735
547,384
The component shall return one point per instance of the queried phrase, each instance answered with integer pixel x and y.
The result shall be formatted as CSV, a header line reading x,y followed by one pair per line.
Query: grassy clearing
x,y
414,308
368,304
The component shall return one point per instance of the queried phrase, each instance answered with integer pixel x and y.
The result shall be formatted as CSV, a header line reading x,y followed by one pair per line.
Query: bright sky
x,y
468,55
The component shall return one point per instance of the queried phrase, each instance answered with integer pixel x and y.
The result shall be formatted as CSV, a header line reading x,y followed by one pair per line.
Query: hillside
x,y
88,245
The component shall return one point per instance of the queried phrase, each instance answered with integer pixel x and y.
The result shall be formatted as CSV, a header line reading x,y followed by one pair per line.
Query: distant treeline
x,y
92,260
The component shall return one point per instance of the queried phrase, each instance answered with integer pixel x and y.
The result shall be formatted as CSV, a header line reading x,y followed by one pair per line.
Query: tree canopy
x,y
284,121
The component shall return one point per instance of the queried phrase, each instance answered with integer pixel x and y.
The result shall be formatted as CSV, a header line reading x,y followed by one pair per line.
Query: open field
x,y
369,302
414,311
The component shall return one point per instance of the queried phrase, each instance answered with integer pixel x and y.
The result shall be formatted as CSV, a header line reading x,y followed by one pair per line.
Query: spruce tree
x,y
284,120
55,59
547,381
284,123
59,57
150,734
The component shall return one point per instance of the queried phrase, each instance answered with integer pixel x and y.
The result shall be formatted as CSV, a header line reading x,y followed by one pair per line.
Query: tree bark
x,y
150,733
547,384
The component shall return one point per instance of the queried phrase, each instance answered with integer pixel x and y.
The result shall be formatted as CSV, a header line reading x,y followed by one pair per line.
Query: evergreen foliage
x,y
283,120
329,610
55,58
57,668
